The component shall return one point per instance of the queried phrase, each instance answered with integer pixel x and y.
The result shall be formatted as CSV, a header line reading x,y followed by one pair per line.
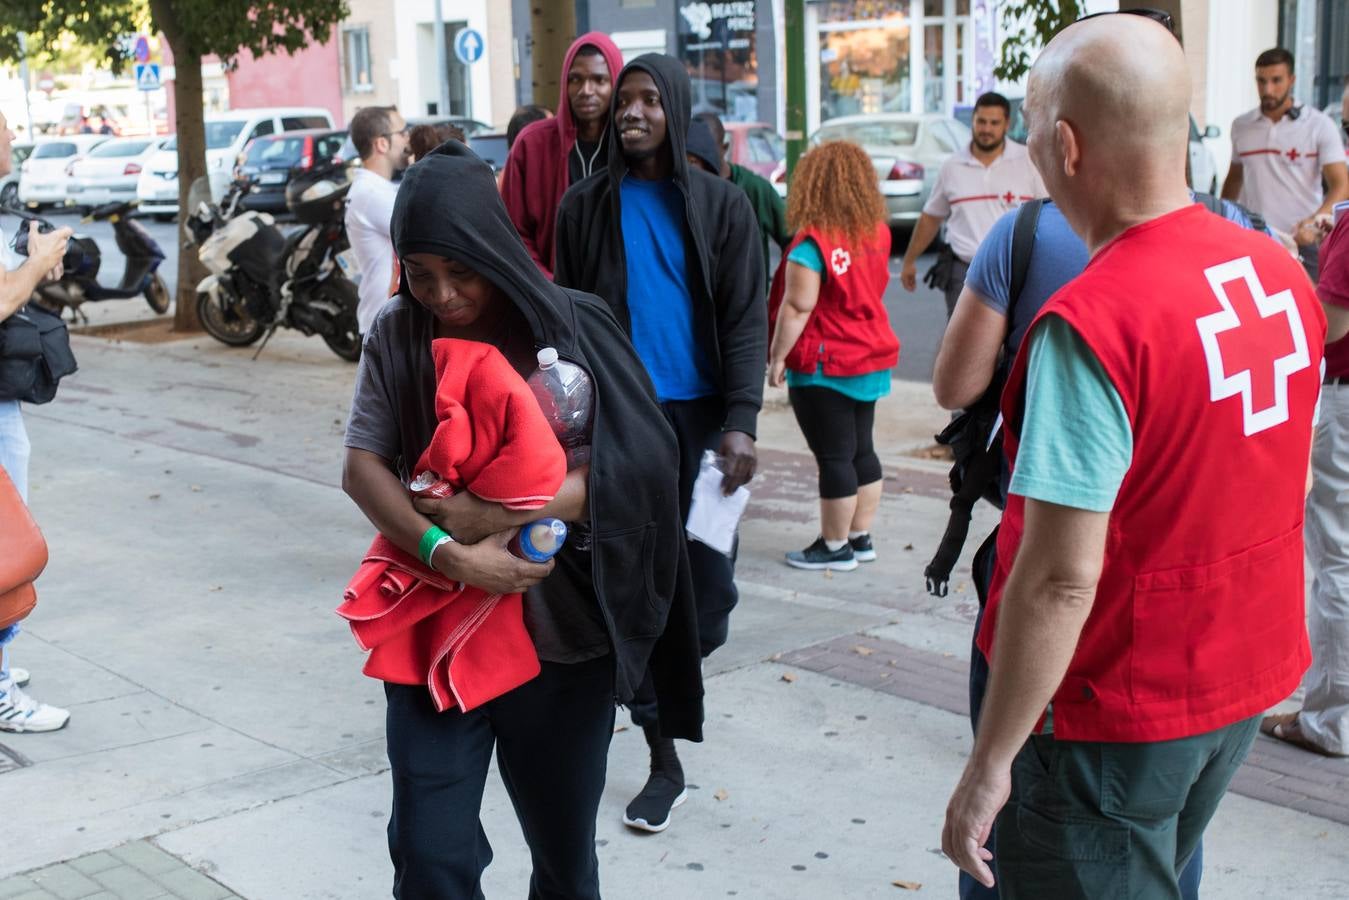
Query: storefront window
x,y
934,71
716,44
864,70
861,10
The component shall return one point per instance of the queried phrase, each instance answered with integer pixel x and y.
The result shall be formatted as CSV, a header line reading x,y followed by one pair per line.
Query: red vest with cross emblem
x,y
848,332
1213,337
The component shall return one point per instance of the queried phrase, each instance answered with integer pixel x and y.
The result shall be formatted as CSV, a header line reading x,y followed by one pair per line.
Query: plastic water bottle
x,y
539,541
566,397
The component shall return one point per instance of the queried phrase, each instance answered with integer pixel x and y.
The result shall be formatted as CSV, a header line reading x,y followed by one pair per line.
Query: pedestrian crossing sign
x,y
147,77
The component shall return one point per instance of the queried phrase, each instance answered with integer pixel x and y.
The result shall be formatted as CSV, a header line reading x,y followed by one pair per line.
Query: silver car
x,y
906,149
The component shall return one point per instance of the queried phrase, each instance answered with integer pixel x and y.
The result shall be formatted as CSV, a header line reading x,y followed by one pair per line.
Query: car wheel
x,y
9,195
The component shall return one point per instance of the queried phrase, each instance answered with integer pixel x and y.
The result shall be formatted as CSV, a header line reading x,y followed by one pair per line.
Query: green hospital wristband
x,y
429,542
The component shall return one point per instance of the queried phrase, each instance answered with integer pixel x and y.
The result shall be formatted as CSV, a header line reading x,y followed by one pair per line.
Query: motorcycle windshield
x,y
199,193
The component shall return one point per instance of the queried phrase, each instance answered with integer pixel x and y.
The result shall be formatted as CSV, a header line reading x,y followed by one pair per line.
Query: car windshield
x,y
54,150
873,133
20,154
219,135
491,148
114,149
275,152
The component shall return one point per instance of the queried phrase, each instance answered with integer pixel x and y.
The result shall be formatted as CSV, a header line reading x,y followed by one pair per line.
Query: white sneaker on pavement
x,y
19,675
21,713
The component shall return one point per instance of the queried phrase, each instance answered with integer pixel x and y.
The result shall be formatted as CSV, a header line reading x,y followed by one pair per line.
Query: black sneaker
x,y
819,556
650,810
862,549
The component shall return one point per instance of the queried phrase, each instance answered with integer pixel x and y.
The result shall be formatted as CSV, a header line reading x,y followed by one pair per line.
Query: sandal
x,y
1284,727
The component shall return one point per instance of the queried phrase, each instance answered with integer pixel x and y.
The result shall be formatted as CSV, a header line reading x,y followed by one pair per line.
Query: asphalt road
x,y
918,318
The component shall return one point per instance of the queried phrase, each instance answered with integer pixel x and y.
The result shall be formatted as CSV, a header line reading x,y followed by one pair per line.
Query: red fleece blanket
x,y
466,645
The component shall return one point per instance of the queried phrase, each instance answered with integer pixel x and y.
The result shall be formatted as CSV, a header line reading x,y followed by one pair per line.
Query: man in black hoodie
x,y
603,619
675,252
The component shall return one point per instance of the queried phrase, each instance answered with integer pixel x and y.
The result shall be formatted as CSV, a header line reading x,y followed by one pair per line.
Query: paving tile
x,y
146,857
189,884
65,882
35,895
129,884
95,862
16,886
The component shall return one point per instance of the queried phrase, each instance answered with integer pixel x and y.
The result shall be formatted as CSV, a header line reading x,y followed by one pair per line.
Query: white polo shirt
x,y
369,209
1281,163
971,196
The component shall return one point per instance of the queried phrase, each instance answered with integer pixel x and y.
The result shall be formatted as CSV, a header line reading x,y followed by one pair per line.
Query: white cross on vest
x,y
1244,343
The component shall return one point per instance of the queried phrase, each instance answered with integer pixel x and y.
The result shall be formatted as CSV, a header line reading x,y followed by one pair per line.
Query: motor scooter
x,y
79,282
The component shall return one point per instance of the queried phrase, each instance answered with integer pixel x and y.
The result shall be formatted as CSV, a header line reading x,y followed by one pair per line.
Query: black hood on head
x,y
448,205
676,97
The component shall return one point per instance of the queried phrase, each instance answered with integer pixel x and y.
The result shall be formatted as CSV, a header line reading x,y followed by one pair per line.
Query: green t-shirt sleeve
x,y
1076,441
807,253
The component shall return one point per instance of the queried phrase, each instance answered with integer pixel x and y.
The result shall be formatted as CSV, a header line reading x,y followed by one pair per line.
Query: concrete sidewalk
x,y
223,742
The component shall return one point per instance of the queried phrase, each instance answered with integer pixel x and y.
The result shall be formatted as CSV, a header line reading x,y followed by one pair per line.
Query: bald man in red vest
x,y
1147,604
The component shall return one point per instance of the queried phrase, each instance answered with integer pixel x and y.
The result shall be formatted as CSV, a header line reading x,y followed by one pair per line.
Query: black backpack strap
x,y
1023,242
1211,203
1215,205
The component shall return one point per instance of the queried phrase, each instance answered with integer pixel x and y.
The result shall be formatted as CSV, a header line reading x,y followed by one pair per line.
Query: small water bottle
x,y
539,541
566,396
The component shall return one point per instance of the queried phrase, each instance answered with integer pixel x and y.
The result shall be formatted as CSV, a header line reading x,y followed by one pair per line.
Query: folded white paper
x,y
713,517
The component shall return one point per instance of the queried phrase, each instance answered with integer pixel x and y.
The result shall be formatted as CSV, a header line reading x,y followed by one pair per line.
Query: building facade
x,y
388,58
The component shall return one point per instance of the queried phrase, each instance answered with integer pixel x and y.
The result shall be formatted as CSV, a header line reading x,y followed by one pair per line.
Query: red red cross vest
x,y
848,332
1213,337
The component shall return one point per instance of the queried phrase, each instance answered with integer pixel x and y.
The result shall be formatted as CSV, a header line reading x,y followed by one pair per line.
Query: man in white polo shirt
x,y
1281,152
381,138
974,187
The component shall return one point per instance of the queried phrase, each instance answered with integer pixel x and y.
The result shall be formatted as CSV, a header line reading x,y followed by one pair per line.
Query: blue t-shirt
x,y
660,304
862,388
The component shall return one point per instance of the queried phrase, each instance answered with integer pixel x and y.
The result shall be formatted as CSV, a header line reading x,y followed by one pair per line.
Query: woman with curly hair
x,y
832,342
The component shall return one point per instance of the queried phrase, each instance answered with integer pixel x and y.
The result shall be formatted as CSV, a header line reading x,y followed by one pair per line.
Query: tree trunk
x,y
552,28
188,101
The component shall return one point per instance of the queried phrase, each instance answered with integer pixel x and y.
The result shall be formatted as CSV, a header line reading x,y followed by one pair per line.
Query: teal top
x,y
863,388
1077,443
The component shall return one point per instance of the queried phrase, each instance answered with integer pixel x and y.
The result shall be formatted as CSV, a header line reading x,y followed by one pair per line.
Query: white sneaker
x,y
19,675
20,712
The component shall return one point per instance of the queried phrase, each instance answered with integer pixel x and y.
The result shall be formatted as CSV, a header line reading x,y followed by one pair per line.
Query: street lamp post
x,y
442,64
23,76
795,27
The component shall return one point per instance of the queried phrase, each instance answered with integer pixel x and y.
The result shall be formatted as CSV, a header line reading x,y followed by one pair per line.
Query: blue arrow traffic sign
x,y
142,48
147,77
468,46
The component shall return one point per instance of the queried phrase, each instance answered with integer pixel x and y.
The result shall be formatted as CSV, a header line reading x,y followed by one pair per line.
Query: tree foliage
x,y
204,27
1028,25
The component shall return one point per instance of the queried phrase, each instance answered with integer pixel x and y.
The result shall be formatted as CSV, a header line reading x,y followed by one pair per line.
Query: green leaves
x,y
1028,26
94,29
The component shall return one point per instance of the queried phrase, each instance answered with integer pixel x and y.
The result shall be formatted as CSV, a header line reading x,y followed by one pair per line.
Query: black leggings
x,y
838,431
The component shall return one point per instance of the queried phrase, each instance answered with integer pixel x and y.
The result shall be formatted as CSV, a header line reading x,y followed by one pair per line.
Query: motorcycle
x,y
263,279
79,282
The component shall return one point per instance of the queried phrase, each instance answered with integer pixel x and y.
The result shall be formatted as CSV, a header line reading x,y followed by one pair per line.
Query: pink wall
x,y
312,77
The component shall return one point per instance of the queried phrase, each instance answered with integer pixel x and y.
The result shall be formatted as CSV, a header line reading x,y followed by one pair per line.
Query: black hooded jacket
x,y
637,566
726,269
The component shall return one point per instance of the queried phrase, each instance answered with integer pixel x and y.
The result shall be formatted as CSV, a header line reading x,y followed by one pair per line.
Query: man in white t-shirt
x,y
381,138
975,186
18,277
1281,153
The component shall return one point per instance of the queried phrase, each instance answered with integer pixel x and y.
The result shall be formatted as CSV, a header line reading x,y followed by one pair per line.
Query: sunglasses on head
x,y
1162,18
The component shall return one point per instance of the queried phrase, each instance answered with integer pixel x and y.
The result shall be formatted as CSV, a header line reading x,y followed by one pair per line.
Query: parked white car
x,y
45,176
1203,170
9,183
110,171
226,136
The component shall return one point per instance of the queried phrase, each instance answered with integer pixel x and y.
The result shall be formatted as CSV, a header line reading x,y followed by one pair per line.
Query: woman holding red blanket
x,y
597,614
